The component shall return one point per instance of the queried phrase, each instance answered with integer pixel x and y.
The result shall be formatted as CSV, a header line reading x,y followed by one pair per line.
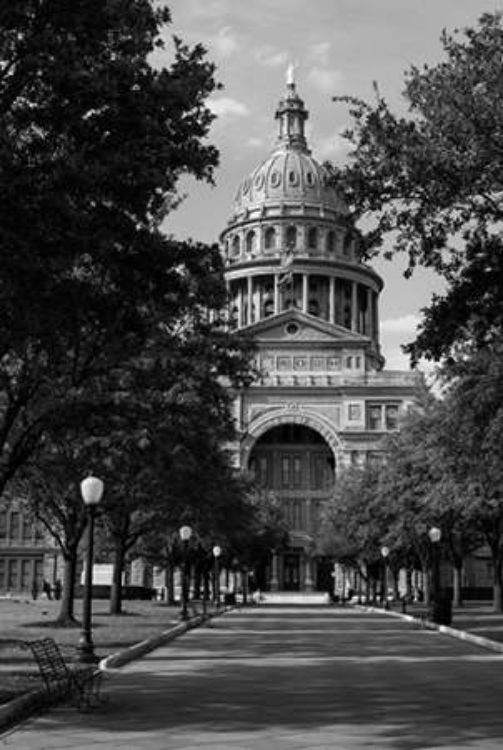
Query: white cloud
x,y
254,142
320,52
270,56
406,324
333,147
227,107
225,43
326,80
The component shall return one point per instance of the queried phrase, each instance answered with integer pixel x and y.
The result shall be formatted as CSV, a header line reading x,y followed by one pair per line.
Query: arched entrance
x,y
297,464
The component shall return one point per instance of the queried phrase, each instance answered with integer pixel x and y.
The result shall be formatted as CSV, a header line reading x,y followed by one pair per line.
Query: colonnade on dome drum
x,y
344,296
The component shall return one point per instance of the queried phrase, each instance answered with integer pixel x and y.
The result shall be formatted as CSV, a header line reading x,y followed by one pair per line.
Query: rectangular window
x,y
297,471
15,525
375,458
374,417
392,417
285,471
354,412
26,568
3,524
12,575
262,471
27,528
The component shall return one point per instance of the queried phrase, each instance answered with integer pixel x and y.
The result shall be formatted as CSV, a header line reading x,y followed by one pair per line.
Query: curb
x,y
25,706
461,635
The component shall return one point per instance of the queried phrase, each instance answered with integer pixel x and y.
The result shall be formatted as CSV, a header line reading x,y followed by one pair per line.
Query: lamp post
x,y
385,555
91,489
435,535
185,534
217,551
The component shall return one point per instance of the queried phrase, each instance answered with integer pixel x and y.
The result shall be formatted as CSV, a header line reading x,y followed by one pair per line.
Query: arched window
x,y
291,236
331,242
250,242
235,245
314,307
270,238
312,238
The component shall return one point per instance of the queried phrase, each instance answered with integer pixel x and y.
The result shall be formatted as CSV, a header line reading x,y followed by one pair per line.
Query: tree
x,y
431,182
92,142
471,449
355,522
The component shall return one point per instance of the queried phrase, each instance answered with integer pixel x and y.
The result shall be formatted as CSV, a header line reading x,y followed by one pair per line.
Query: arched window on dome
x,y
291,236
236,245
312,238
270,238
250,242
331,242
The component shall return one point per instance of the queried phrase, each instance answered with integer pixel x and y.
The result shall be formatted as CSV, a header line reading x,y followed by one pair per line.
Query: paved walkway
x,y
291,679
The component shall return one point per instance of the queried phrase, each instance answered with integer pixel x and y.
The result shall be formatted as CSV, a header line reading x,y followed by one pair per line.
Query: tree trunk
x,y
116,588
66,615
169,581
457,598
426,582
497,588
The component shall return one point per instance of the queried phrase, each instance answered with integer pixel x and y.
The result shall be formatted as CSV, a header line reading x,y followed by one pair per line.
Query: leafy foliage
x,y
431,182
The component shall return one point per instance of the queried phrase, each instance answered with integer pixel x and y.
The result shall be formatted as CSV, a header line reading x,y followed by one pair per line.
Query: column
x,y
276,294
354,306
375,316
241,317
250,299
274,572
331,299
368,317
305,292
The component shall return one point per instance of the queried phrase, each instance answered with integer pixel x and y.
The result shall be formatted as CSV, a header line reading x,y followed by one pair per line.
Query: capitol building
x,y
324,400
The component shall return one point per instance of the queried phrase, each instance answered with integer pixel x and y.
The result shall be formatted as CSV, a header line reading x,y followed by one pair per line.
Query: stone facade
x,y
299,287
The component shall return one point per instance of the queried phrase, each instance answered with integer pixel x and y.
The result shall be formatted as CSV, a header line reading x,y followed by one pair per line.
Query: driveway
x,y
292,678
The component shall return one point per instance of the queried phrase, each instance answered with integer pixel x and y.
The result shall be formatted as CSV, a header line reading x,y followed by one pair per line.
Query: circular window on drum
x,y
293,178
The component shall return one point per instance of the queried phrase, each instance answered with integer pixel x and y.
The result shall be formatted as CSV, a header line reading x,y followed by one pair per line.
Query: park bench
x,y
80,685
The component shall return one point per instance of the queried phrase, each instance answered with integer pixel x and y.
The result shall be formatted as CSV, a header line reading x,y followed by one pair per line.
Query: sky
x,y
338,47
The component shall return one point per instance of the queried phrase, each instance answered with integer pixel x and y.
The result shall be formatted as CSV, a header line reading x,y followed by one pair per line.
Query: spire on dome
x,y
292,115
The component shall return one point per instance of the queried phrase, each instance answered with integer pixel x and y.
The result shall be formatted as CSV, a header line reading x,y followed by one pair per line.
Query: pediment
x,y
291,326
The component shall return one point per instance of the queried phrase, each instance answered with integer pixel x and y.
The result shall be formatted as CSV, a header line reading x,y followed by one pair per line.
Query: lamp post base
x,y
86,654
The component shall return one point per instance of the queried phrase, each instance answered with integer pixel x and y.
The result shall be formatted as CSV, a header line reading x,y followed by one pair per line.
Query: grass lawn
x,y
23,619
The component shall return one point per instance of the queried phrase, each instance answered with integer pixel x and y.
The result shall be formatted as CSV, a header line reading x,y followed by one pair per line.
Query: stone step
x,y
294,597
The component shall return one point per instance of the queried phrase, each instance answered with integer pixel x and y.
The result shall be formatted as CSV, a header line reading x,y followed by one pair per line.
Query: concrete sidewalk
x,y
292,678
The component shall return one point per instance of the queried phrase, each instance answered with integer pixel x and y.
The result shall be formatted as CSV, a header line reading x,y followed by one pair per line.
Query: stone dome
x,y
290,175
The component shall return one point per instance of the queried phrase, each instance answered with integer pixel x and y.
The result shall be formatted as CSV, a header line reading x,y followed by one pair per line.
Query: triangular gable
x,y
310,328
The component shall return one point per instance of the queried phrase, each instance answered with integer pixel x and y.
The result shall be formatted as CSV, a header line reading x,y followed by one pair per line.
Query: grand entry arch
x,y
297,463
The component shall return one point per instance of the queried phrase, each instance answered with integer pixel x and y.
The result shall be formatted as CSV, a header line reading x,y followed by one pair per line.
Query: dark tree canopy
x,y
431,181
93,140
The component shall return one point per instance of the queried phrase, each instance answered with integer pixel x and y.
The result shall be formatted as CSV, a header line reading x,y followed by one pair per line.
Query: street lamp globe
x,y
185,533
91,489
435,534
217,551
385,551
